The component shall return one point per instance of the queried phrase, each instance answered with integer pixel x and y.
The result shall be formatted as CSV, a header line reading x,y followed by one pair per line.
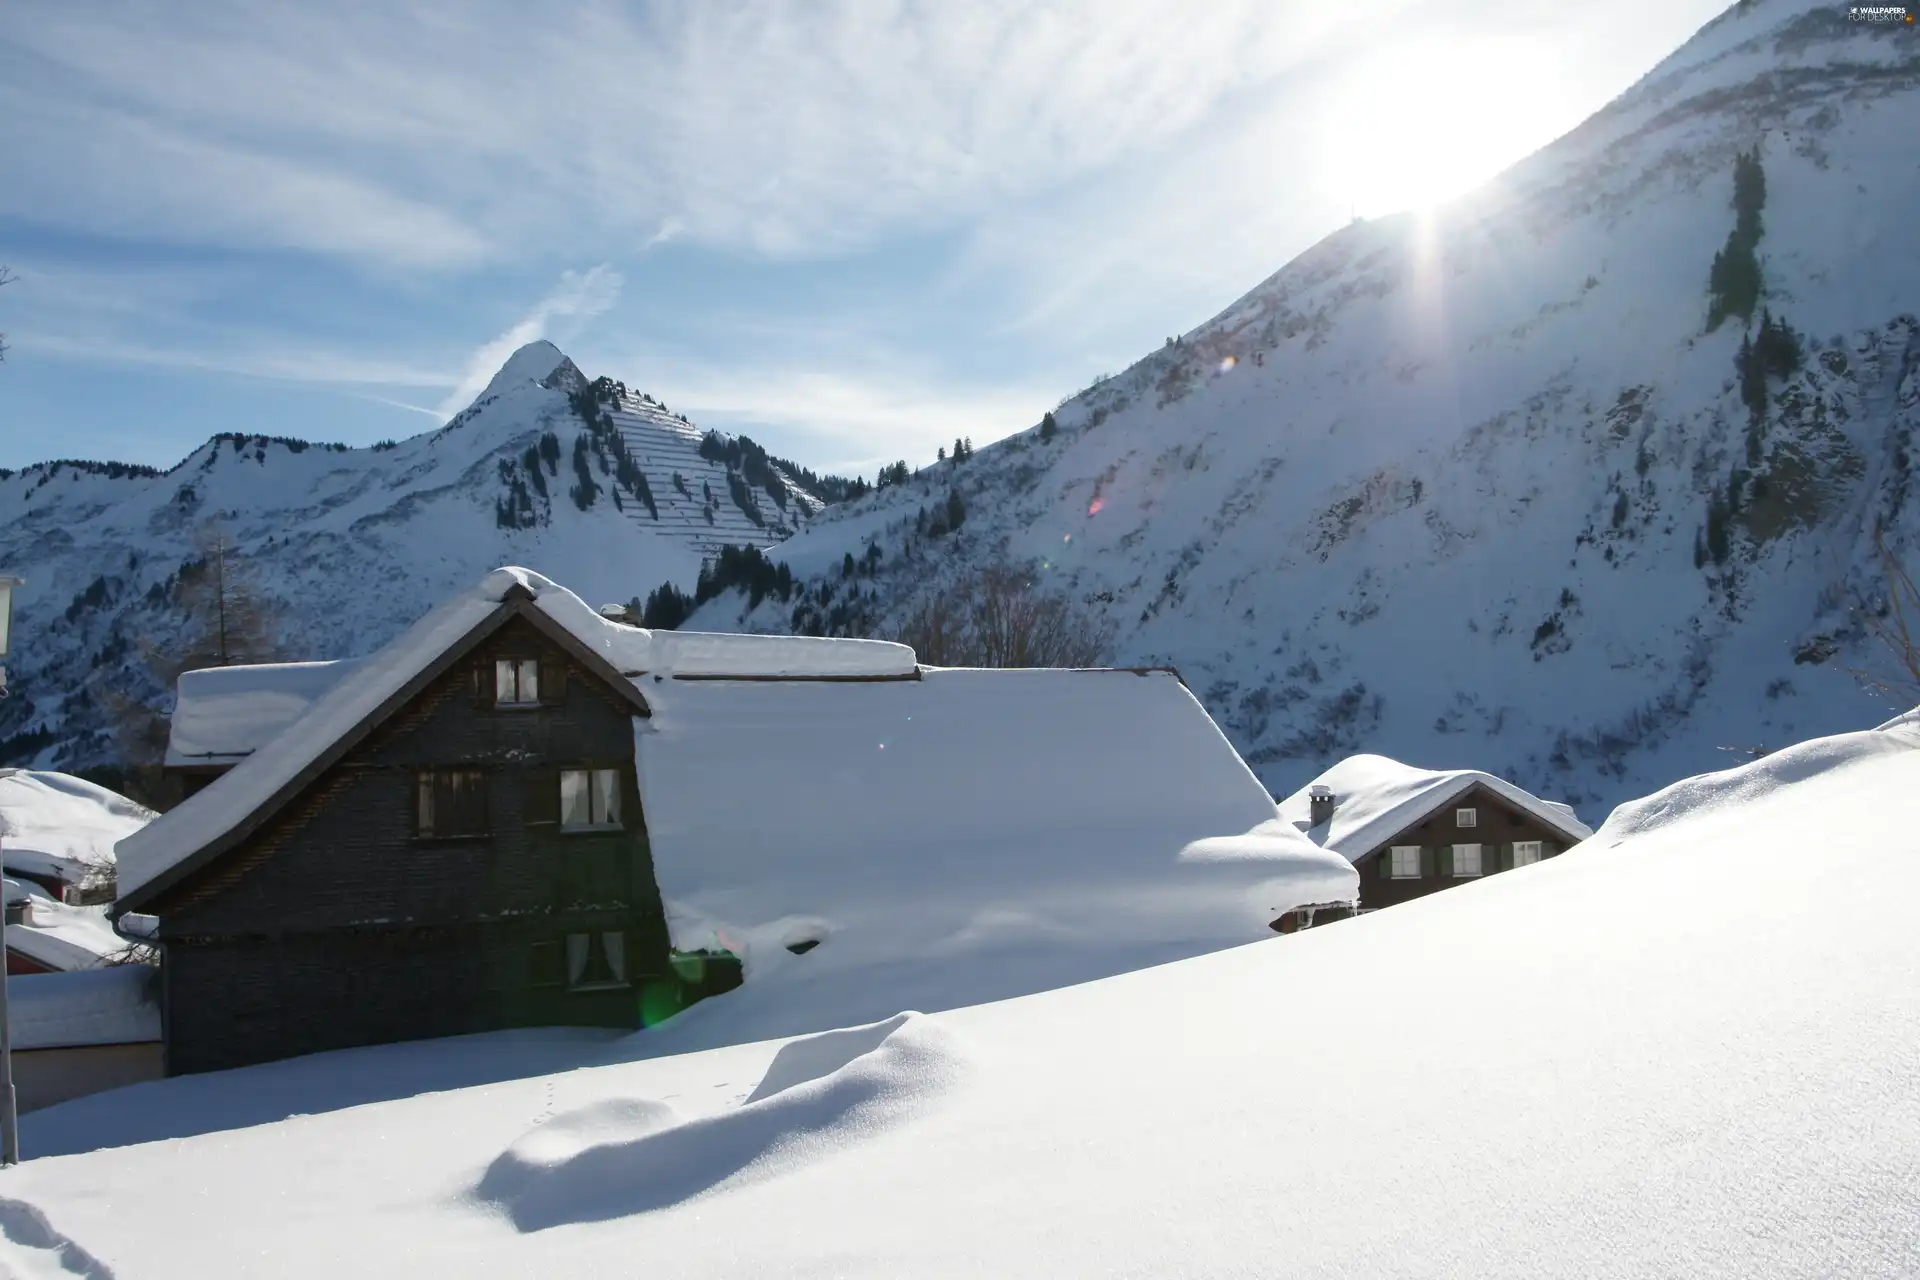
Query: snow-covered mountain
x,y
603,487
1486,488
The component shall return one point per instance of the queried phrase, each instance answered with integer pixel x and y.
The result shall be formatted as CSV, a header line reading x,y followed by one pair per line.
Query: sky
x,y
852,229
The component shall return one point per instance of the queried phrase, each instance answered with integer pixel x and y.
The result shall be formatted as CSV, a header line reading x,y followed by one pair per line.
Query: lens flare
x,y
1227,364
1098,503
1068,538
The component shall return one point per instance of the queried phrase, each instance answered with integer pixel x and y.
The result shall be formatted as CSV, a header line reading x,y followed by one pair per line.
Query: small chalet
x,y
520,812
1410,832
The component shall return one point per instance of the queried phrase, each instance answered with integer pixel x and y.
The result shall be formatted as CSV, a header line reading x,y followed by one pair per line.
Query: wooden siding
x,y
1500,824
334,925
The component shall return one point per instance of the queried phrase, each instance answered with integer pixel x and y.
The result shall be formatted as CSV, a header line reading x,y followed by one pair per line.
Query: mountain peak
x,y
538,361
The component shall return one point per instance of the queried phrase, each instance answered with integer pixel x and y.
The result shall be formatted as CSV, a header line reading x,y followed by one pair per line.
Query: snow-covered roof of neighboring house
x,y
117,1005
1377,798
959,838
57,935
221,715
332,722
57,826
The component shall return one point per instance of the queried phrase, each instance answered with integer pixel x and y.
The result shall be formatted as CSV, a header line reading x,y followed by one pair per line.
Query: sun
x,y
1417,124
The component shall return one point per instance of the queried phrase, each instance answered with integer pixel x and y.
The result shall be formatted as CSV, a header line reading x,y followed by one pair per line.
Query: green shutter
x,y
540,798
1429,857
1385,861
1503,857
553,681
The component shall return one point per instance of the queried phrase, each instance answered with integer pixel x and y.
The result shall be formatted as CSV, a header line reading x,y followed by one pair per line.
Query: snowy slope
x,y
1442,488
1685,1048
356,543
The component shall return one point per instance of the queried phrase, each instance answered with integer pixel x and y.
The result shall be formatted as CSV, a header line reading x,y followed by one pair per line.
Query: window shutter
x,y
1446,861
482,689
1427,860
540,801
553,681
1385,862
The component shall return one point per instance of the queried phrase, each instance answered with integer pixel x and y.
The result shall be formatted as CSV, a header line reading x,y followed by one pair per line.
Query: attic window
x,y
1526,852
589,799
1405,862
516,682
1466,817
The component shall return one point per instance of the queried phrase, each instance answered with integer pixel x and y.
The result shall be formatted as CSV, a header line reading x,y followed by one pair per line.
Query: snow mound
x,y
59,826
625,1156
1756,780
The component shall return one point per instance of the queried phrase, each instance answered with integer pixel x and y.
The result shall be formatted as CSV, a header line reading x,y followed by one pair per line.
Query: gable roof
x,y
1060,825
1377,798
219,817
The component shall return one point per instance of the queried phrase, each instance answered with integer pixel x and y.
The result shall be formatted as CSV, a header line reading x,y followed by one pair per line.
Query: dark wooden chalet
x,y
469,855
1412,832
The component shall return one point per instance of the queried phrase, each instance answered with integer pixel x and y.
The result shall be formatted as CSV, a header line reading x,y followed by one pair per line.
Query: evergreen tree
x,y
1048,427
956,509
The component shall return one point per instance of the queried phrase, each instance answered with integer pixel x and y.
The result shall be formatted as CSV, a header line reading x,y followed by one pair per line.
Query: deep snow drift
x,y
1685,1047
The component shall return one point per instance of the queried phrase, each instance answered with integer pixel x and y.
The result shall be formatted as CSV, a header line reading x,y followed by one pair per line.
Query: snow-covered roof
x,y
57,935
221,808
221,715
1073,823
1377,798
117,1005
57,826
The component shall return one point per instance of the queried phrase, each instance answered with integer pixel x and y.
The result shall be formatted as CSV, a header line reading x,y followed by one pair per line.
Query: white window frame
x,y
590,800
1466,817
1479,855
1528,852
1403,868
516,682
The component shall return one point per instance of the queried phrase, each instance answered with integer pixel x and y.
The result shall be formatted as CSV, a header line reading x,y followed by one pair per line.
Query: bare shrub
x,y
999,617
1892,621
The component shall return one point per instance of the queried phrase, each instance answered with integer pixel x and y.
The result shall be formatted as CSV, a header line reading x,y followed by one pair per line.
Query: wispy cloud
x,y
289,364
562,316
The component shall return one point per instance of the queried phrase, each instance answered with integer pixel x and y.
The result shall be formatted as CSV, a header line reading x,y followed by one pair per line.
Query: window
x,y
1466,860
596,961
450,803
589,799
1526,852
1405,861
1466,817
516,682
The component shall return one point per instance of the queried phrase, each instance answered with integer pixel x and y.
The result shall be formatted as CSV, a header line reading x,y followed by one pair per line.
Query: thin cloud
x,y
562,315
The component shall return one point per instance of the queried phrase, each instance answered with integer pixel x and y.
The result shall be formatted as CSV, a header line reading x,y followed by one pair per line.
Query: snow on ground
x,y
1687,1047
59,826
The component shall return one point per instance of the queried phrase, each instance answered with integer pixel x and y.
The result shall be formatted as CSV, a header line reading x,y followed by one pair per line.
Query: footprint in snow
x,y
820,1094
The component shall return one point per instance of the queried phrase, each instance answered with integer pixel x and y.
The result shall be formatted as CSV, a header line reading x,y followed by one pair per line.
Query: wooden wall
x,y
336,925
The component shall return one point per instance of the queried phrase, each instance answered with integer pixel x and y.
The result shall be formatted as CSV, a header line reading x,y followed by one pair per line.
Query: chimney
x,y
1320,801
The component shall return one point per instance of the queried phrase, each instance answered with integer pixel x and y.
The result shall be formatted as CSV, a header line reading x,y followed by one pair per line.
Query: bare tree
x,y
230,621
999,617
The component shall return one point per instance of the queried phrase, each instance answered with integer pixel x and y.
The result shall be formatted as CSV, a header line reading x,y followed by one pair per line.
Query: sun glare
x,y
1416,125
